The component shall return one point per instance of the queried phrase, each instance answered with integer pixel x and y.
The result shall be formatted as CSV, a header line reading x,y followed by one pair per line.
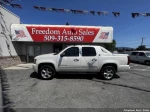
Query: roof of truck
x,y
86,45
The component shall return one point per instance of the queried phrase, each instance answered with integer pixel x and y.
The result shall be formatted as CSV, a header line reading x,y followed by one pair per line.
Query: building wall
x,y
46,48
7,50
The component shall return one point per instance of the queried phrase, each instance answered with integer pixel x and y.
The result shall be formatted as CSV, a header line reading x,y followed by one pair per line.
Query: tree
x,y
141,47
111,46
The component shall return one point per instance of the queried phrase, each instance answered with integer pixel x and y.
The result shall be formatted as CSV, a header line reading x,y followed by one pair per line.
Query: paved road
x,y
129,89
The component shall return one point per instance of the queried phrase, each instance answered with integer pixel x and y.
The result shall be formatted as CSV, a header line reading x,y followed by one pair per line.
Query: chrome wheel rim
x,y
46,73
108,73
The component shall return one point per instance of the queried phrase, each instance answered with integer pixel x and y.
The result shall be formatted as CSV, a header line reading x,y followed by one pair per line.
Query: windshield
x,y
147,54
59,51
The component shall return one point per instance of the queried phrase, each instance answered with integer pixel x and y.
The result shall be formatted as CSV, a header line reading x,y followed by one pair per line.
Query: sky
x,y
128,31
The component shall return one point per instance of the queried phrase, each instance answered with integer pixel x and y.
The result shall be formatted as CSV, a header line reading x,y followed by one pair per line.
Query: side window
x,y
88,51
73,51
142,54
134,53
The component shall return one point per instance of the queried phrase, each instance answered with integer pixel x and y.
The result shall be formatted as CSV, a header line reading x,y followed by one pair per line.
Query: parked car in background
x,y
81,58
140,56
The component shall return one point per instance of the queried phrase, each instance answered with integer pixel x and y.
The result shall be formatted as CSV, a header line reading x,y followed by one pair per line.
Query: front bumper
x,y
35,68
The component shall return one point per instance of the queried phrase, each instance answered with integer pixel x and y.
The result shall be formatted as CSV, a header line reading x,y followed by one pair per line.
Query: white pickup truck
x,y
81,58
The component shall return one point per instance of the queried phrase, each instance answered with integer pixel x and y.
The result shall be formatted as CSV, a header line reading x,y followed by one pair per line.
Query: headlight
x,y
34,61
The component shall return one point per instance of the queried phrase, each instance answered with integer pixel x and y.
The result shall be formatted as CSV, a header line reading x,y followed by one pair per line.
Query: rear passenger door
x,y
89,59
142,57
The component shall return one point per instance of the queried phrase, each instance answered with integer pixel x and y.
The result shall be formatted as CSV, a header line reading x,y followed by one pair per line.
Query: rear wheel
x,y
147,62
108,72
47,72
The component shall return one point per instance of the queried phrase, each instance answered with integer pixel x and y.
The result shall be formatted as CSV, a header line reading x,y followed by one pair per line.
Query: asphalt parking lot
x,y
130,89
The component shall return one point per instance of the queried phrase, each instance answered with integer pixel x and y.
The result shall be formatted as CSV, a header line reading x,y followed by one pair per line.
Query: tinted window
x,y
141,54
73,51
134,53
88,51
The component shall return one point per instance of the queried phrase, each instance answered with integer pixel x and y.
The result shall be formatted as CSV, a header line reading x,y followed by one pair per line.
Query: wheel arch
x,y
42,64
114,65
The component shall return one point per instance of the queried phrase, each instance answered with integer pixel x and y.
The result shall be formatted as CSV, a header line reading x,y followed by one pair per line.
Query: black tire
x,y
147,62
47,72
108,72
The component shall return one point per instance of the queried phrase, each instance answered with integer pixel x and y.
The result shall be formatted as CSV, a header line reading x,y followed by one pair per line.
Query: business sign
x,y
61,33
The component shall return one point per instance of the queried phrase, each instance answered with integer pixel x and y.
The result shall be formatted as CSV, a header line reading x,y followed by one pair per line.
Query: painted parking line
x,y
140,69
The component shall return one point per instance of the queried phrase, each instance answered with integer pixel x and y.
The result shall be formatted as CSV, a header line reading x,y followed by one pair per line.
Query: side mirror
x,y
63,54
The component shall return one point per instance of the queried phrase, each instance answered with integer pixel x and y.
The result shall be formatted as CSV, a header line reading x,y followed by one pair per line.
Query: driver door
x,y
70,61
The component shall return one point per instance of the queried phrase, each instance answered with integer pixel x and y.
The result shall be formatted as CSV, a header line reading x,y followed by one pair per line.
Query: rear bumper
x,y
123,68
35,68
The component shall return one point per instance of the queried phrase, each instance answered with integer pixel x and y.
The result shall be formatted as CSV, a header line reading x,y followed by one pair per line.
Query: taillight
x,y
128,60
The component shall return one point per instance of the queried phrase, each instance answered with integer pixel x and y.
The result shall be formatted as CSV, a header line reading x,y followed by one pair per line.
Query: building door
x,y
57,47
33,51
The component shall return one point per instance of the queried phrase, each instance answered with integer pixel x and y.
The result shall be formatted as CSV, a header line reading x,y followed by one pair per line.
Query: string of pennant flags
x,y
9,2
116,14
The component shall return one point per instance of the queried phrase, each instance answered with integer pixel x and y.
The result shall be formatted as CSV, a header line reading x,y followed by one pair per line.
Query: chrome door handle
x,y
94,59
76,60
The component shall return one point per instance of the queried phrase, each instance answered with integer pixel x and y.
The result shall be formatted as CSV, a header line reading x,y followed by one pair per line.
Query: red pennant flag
x,y
80,11
61,10
92,12
6,1
116,14
99,13
147,14
36,7
135,15
16,6
73,11
54,9
43,8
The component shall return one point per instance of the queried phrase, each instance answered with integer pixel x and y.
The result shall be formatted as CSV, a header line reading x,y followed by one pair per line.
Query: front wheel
x,y
108,72
47,72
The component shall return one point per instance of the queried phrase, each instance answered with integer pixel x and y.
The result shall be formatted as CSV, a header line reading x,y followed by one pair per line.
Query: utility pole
x,y
142,41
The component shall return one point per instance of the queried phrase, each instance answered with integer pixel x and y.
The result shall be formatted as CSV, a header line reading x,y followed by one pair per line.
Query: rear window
x,y
88,51
103,50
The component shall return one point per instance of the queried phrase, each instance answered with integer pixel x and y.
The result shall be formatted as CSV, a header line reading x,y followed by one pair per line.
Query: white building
x,y
8,54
